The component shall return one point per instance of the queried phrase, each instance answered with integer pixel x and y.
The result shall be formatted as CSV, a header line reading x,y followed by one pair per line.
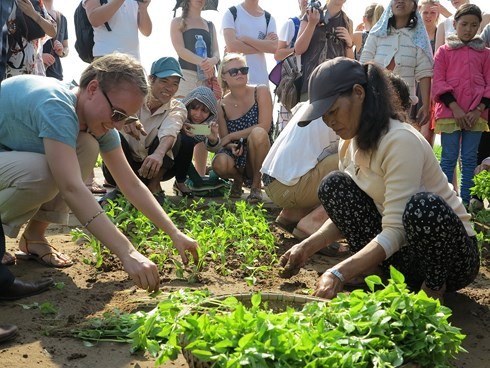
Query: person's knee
x,y
419,201
220,164
258,137
332,181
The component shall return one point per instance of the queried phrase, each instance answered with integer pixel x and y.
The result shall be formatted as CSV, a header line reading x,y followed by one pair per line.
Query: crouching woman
x,y
390,199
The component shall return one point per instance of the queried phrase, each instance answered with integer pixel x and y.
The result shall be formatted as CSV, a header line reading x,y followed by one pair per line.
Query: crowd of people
x,y
353,159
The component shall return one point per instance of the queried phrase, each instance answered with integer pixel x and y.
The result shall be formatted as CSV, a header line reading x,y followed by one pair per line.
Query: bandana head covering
x,y
418,34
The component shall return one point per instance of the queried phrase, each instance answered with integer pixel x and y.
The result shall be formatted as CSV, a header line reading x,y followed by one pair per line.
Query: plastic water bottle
x,y
202,51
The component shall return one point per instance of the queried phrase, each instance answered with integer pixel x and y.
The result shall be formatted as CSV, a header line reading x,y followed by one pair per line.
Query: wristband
x,y
337,274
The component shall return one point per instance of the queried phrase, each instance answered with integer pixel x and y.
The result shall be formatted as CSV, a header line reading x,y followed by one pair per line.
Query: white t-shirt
x,y
297,150
287,31
449,27
124,35
256,27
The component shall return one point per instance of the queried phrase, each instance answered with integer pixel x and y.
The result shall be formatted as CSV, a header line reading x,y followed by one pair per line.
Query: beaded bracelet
x,y
93,218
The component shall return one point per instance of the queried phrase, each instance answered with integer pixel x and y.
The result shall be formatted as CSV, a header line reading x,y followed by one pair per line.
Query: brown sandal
x,y
41,258
236,190
8,259
255,196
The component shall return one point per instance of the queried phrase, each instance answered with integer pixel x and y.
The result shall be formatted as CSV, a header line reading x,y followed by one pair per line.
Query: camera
x,y
315,4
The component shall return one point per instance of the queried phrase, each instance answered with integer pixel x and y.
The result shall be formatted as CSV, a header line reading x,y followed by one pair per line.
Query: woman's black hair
x,y
468,9
380,104
412,21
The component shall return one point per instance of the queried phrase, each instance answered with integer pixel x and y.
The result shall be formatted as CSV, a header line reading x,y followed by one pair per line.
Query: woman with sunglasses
x,y
244,120
50,137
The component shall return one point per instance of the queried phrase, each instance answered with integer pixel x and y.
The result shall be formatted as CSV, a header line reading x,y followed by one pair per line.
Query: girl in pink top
x,y
461,90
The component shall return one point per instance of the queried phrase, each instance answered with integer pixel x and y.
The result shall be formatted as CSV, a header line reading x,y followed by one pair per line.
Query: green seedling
x,y
386,326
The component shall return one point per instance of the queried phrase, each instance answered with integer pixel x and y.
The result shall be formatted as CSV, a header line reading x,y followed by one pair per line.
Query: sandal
x,y
96,188
282,224
8,259
112,195
160,197
184,193
335,250
255,196
27,255
236,190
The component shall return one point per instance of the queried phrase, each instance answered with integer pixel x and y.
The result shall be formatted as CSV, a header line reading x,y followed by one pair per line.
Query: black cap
x,y
327,82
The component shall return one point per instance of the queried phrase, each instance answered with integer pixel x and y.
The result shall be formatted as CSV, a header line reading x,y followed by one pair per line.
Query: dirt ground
x,y
87,292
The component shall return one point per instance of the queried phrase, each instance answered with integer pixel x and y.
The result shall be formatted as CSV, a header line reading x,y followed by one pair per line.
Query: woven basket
x,y
275,301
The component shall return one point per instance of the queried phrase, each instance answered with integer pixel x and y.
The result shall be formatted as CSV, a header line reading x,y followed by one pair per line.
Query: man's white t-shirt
x,y
297,150
256,27
286,33
124,35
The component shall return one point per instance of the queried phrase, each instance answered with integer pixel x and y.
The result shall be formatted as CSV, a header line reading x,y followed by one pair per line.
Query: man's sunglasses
x,y
234,71
117,115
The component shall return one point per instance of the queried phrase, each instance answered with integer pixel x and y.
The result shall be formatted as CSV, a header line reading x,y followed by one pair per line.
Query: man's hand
x,y
183,244
151,166
135,130
271,36
143,271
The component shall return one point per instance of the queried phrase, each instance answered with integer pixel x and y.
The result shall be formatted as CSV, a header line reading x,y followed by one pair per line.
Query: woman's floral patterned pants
x,y
438,249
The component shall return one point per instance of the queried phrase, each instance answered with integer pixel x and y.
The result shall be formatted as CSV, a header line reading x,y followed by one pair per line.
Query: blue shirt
x,y
33,108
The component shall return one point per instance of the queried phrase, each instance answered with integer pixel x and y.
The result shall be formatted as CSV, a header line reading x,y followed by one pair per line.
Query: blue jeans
x,y
452,143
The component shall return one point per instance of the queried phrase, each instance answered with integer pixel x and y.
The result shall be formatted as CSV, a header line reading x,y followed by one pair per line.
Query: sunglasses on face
x,y
117,115
233,72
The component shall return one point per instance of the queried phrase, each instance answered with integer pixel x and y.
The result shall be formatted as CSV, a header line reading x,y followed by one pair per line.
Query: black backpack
x,y
84,31
233,12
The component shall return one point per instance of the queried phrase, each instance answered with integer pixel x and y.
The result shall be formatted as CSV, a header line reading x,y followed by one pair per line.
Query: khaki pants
x,y
304,194
28,190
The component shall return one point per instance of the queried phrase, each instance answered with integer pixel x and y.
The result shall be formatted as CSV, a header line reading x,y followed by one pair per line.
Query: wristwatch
x,y
337,274
480,108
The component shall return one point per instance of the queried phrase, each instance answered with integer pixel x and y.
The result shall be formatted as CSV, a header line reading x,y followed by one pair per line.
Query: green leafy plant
x,y
44,308
98,250
482,185
383,327
233,237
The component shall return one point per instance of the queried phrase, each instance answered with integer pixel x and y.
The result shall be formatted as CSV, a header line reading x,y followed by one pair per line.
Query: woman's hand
x,y
143,271
312,16
293,260
183,244
344,35
207,66
236,149
48,60
143,4
58,48
423,115
458,114
213,137
187,129
328,286
28,9
472,117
